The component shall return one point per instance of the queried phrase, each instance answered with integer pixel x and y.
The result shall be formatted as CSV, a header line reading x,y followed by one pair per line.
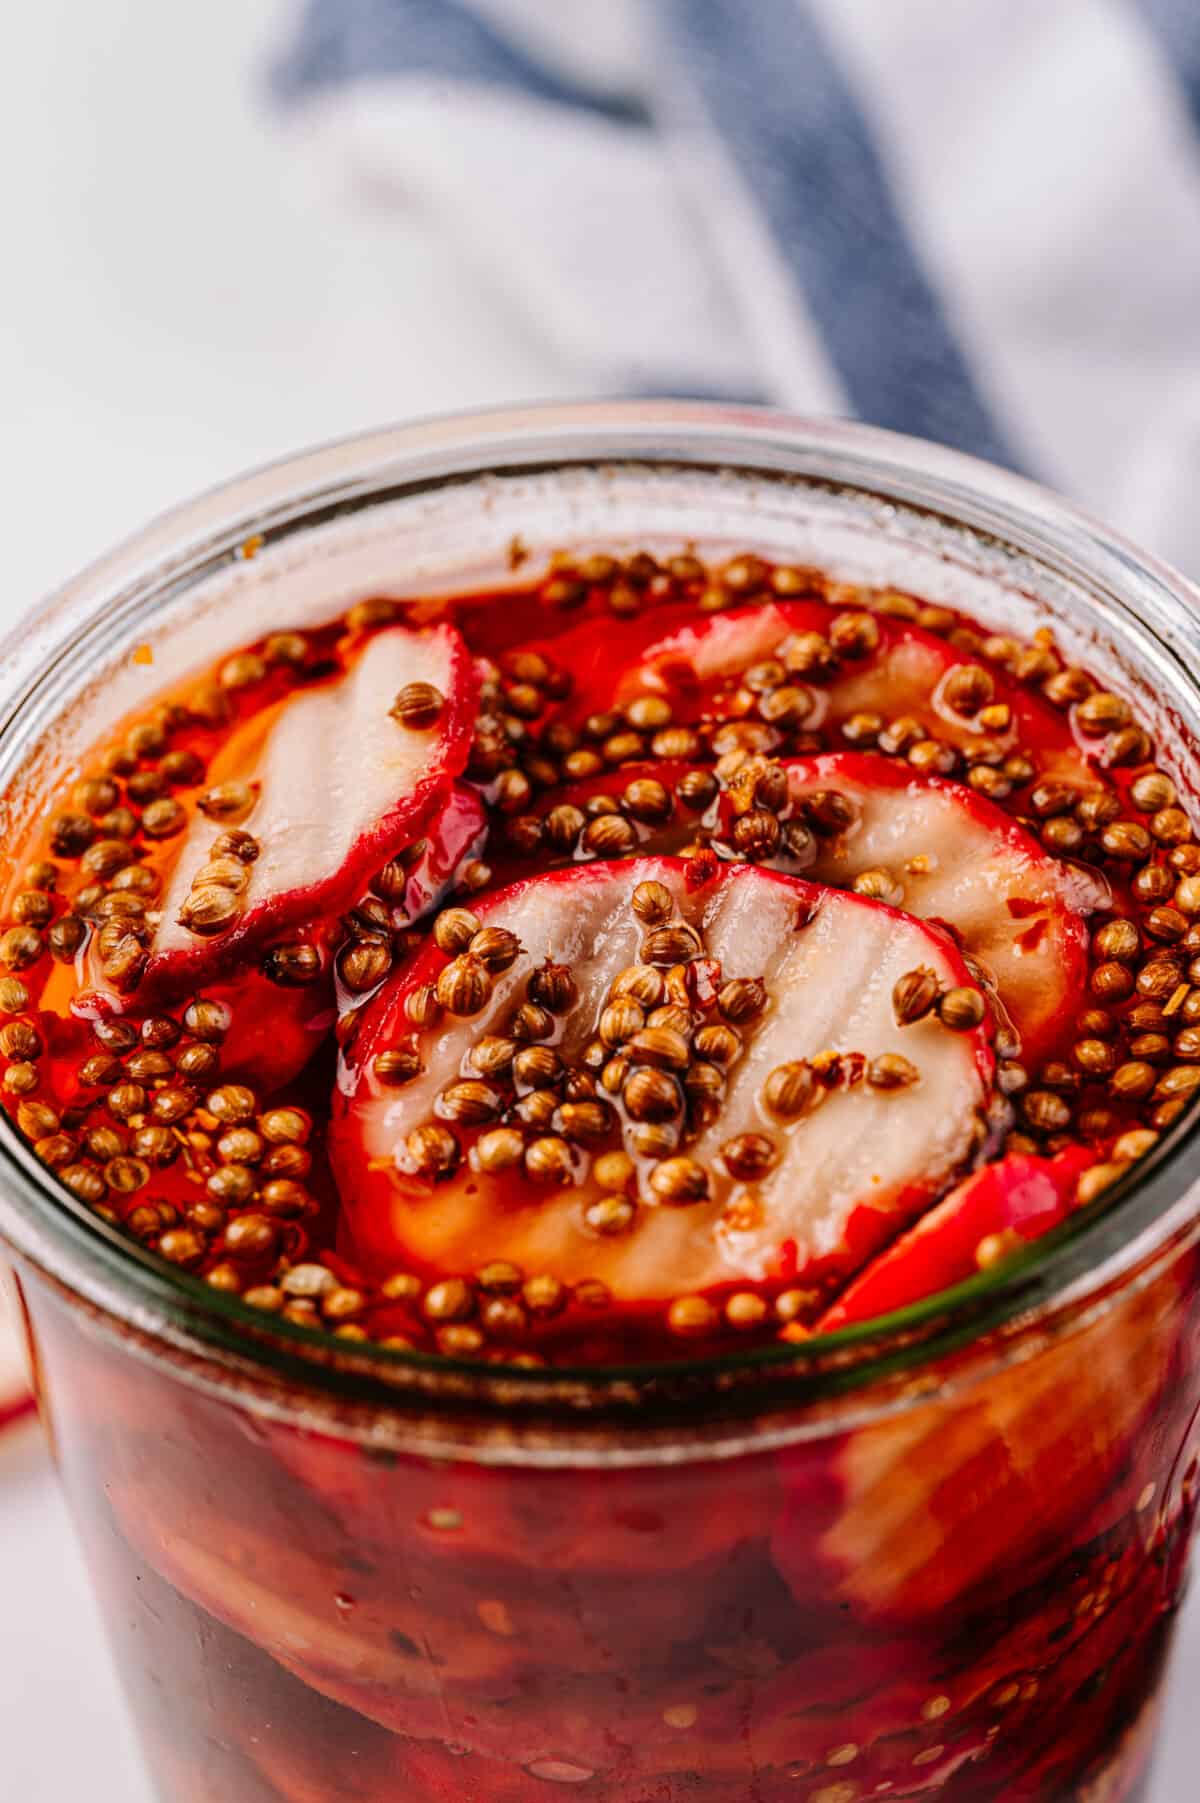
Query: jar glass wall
x,y
939,1554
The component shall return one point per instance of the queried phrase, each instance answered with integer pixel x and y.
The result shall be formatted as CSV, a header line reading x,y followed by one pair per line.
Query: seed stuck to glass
x,y
665,946
879,885
233,1185
718,1043
1100,712
284,1195
620,1020
251,1237
562,826
492,1056
1153,883
100,1071
536,1067
233,1103
65,937
56,1150
1111,982
697,790
37,1120
32,908
163,818
613,1170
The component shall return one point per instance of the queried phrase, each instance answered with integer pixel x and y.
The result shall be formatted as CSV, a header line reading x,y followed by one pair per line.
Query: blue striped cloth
x,y
978,223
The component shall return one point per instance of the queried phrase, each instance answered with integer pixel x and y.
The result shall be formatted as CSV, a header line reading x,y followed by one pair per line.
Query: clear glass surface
x,y
941,1553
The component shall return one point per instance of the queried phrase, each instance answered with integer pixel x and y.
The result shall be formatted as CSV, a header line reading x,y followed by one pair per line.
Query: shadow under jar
x,y
939,1554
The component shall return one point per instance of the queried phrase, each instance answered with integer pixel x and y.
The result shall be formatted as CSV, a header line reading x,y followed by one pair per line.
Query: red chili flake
x,y
703,981
1032,937
789,1261
700,869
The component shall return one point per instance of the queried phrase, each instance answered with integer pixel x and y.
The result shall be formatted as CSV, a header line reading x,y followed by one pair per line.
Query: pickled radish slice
x,y
336,784
948,855
888,667
956,857
995,1209
392,1660
812,1181
651,1522
976,1493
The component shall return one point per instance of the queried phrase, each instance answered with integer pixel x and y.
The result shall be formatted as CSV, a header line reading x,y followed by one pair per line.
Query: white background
x,y
181,296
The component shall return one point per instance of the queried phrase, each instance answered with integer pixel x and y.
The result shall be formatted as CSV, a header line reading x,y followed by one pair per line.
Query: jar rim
x,y
1144,1212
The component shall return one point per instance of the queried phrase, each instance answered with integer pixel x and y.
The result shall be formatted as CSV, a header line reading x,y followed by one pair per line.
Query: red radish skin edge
x,y
876,770
1028,1194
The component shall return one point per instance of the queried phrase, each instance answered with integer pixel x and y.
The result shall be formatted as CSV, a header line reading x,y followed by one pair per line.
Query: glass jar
x,y
940,1553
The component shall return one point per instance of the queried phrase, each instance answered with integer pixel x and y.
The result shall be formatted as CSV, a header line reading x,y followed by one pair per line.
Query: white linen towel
x,y
979,223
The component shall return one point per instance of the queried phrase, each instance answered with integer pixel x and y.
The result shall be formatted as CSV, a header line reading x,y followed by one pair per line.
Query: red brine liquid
x,y
664,961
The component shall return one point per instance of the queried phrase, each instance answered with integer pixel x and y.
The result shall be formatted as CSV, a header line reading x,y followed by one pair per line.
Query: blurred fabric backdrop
x,y
235,228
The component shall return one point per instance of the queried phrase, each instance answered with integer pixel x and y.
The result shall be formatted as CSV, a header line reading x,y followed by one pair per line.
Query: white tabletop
x,y
178,302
